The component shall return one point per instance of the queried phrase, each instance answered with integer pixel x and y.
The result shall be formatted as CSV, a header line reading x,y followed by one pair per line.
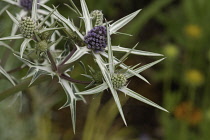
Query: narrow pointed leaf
x,y
66,21
12,37
137,96
110,52
50,29
93,90
86,16
107,78
12,2
2,71
6,46
126,67
13,18
71,100
34,10
78,54
37,74
122,22
23,46
5,8
45,19
136,52
142,68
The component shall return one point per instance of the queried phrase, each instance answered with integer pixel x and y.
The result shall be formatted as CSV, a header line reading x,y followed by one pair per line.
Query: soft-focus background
x,y
179,29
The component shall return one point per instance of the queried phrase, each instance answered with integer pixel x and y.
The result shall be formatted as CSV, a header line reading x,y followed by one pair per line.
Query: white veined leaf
x,y
107,78
34,10
75,90
5,8
44,1
12,18
93,90
126,67
142,68
66,21
14,29
25,61
11,2
6,46
71,100
23,46
36,75
136,52
2,71
110,52
137,96
12,37
50,29
78,54
45,19
86,16
46,68
122,22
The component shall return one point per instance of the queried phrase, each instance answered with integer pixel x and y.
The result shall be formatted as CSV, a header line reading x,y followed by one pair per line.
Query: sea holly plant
x,y
92,37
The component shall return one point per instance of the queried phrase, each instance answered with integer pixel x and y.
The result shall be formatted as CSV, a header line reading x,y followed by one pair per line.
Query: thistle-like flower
x,y
96,39
118,80
27,27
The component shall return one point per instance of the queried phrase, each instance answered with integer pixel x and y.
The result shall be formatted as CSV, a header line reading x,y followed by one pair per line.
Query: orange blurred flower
x,y
189,113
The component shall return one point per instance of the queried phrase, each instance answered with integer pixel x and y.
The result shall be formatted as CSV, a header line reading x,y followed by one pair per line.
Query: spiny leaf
x,y
136,52
23,46
93,90
12,37
34,10
142,68
137,96
122,22
86,16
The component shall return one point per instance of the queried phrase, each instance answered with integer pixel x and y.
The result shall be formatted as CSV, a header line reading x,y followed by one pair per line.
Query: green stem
x,y
21,86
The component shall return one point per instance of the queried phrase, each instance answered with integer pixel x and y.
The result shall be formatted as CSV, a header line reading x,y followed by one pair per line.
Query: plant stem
x,y
68,56
74,80
53,64
21,86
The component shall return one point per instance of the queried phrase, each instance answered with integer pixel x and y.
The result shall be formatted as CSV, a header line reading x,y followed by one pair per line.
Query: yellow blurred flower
x,y
170,51
193,31
188,113
194,77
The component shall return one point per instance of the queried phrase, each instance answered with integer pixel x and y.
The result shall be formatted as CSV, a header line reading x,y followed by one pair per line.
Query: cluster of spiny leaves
x,y
42,32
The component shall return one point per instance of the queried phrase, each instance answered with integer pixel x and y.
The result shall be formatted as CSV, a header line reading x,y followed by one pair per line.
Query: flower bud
x,y
98,16
118,80
27,27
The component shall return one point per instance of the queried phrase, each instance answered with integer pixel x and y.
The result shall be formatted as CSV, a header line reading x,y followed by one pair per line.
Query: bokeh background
x,y
179,29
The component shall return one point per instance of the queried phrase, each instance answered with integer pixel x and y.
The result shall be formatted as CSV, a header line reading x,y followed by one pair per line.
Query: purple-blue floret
x,y
27,4
96,39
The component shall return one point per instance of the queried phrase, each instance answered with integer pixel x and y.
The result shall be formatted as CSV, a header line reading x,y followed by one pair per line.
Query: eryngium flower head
x,y
118,80
27,4
27,27
96,39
